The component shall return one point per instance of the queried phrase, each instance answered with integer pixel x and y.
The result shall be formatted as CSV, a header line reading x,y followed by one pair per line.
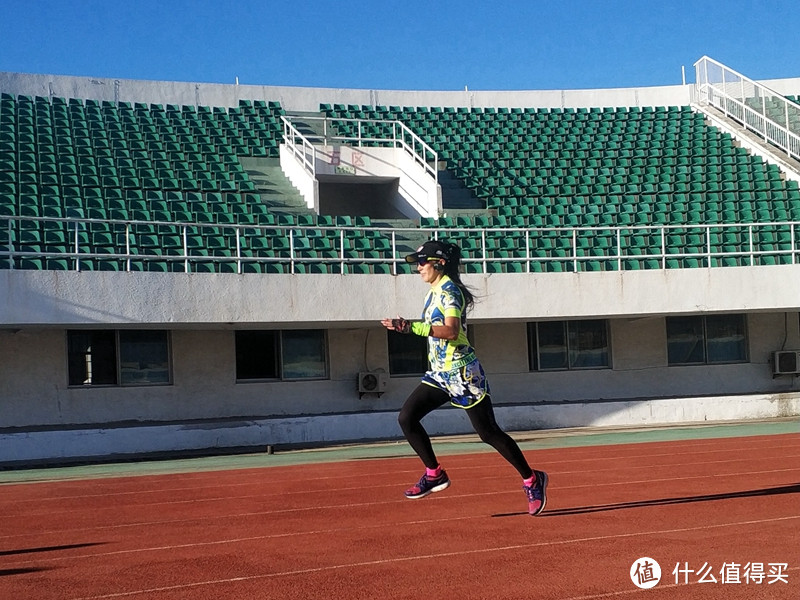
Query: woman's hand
x,y
398,324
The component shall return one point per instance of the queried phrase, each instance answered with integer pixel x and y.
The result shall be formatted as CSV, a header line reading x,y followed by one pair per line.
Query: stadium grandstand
x,y
203,267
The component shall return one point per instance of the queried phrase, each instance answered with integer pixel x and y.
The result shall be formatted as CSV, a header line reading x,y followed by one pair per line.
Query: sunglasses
x,y
424,261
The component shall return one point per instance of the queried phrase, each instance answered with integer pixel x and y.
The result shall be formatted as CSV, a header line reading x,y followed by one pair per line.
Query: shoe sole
x,y
437,488
544,493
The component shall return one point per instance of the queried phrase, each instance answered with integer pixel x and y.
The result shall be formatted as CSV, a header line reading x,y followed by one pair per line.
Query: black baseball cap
x,y
430,250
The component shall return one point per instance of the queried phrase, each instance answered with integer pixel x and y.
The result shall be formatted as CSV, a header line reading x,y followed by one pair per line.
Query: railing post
x,y
744,104
128,246
291,250
77,249
483,249
11,245
725,91
786,113
238,252
185,249
575,250
341,249
528,250
394,254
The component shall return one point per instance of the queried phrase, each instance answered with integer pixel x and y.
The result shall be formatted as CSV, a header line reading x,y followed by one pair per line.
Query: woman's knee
x,y
404,419
422,401
489,434
408,418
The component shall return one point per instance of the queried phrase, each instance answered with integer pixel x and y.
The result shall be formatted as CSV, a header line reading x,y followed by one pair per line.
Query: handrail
x,y
745,101
290,137
394,248
420,155
402,136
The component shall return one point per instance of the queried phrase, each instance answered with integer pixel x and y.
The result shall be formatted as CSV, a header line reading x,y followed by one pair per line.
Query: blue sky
x,y
410,44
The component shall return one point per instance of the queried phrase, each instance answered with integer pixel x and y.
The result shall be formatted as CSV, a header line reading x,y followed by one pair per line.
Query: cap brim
x,y
413,258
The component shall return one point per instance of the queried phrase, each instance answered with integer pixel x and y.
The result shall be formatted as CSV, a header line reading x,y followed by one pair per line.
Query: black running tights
x,y
426,398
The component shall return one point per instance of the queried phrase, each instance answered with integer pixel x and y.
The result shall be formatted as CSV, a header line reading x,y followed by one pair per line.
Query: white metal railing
x,y
293,247
303,146
300,147
760,109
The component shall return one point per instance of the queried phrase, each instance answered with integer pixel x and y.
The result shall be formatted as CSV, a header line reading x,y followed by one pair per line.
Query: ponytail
x,y
452,270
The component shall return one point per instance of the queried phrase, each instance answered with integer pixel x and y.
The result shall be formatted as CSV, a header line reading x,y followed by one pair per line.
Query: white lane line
x,y
449,496
263,496
463,553
239,540
235,472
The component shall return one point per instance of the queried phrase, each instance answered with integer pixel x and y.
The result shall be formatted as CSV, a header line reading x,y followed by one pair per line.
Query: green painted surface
x,y
536,440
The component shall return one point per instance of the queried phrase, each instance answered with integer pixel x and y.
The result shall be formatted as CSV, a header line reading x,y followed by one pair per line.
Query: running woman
x,y
454,375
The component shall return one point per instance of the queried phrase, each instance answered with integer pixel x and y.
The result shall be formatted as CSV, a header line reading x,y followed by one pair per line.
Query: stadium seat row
x,y
63,161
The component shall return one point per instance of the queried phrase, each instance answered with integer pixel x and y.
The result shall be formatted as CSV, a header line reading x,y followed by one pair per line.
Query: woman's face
x,y
428,273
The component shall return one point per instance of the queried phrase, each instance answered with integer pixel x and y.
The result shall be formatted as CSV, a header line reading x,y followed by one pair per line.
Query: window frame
x,y
118,369
278,351
703,321
570,354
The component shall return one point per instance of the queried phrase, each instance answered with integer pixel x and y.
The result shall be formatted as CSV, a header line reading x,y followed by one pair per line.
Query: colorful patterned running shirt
x,y
446,300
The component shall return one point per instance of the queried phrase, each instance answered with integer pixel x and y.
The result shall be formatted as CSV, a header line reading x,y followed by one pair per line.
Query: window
x,y
126,357
703,340
257,355
557,345
290,354
303,354
408,354
92,358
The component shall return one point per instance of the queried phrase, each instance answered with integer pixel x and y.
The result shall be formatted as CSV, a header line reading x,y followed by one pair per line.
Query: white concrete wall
x,y
118,299
417,188
42,418
305,182
96,442
309,98
34,391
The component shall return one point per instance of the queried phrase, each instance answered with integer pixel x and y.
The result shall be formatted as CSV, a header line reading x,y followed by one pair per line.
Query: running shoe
x,y
428,485
536,493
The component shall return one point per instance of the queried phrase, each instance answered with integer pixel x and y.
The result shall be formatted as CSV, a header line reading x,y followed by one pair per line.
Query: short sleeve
x,y
452,300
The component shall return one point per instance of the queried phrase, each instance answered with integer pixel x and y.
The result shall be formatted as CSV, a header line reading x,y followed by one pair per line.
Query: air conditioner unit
x,y
786,362
371,382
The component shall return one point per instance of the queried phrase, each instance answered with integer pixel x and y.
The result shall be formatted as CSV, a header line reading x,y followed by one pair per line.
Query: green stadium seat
x,y
30,263
540,167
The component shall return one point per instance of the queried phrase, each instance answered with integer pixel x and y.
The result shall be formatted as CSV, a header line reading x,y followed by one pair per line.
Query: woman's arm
x,y
448,331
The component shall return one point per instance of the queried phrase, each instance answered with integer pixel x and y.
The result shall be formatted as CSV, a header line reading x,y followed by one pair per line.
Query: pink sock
x,y
529,482
433,472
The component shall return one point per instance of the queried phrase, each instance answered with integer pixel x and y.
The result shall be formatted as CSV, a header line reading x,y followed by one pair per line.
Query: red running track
x,y
344,530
